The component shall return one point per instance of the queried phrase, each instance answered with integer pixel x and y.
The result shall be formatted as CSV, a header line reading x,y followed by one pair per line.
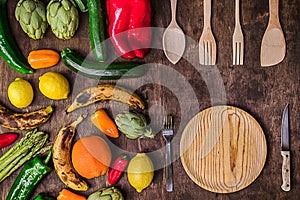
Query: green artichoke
x,y
63,18
133,125
31,14
110,193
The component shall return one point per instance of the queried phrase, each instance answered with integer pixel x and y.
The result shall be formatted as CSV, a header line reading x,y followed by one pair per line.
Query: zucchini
x,y
101,71
96,28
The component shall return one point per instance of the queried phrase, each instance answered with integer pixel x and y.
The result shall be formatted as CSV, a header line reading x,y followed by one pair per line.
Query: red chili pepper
x,y
7,138
133,18
117,169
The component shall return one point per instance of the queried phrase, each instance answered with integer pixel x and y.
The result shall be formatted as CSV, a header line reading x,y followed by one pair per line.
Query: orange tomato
x,y
91,156
104,123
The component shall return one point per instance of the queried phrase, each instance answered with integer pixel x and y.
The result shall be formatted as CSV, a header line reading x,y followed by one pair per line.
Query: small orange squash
x,y
43,58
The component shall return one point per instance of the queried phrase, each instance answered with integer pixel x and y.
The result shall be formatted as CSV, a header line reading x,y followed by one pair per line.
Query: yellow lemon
x,y
54,85
140,172
20,93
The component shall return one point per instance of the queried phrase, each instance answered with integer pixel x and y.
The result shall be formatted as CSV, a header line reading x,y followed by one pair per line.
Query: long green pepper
x,y
31,174
8,47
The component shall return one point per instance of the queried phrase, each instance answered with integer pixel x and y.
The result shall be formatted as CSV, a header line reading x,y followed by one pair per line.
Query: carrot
x,y
68,195
103,122
43,58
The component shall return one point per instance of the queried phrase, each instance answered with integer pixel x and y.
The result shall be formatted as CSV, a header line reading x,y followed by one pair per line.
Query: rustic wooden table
x,y
185,89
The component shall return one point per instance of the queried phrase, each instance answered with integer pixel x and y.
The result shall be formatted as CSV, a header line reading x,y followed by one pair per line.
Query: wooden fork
x,y
207,43
238,38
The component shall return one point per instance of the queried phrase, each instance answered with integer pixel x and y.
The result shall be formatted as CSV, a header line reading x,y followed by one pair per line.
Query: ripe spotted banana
x,y
24,121
62,158
104,92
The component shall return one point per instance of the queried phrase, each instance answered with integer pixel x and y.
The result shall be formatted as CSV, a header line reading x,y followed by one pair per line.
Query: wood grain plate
x,y
223,149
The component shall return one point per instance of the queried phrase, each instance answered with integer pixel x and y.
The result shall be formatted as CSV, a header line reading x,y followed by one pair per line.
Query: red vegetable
x,y
117,169
7,138
130,17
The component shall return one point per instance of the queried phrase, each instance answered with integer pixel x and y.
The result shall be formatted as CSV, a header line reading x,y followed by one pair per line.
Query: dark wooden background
x,y
184,89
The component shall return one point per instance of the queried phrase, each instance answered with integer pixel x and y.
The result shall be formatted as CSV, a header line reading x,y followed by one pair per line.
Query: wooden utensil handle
x,y
237,12
207,13
286,180
274,7
173,9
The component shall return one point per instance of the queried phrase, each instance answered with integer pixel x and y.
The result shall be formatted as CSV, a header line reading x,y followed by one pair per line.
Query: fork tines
x,y
207,42
238,46
207,52
168,122
238,38
238,53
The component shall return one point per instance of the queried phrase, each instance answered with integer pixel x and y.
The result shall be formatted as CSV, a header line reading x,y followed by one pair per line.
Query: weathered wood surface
x,y
185,89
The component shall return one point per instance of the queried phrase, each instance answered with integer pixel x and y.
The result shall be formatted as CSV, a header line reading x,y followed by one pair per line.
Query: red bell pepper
x,y
7,139
117,169
130,26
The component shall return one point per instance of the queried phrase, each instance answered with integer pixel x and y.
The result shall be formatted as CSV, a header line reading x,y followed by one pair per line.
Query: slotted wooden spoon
x,y
173,38
273,45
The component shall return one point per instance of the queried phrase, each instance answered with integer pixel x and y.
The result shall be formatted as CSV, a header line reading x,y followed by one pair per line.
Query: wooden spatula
x,y
273,45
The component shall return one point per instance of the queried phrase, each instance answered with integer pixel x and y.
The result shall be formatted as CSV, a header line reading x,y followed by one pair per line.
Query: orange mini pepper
x,y
43,58
68,195
104,123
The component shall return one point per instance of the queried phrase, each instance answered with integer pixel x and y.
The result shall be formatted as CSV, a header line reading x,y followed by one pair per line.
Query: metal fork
x,y
238,38
207,42
168,135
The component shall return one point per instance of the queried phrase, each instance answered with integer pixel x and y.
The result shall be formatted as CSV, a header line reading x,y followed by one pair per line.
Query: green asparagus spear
x,y
29,146
8,169
14,156
37,139
14,166
18,145
43,150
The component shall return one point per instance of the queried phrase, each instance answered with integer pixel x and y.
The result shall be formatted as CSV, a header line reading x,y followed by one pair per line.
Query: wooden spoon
x,y
273,45
173,38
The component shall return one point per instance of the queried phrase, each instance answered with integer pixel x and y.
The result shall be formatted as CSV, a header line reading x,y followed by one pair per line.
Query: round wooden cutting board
x,y
223,149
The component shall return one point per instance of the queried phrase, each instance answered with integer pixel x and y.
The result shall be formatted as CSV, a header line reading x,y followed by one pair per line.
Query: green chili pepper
x,y
43,196
8,47
31,174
